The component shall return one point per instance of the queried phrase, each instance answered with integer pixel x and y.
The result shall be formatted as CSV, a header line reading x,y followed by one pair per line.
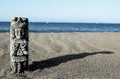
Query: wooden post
x,y
19,44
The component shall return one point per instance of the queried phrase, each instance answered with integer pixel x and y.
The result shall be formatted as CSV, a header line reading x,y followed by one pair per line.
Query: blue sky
x,y
100,11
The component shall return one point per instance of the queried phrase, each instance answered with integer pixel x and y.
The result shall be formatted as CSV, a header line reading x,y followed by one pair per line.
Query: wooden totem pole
x,y
19,44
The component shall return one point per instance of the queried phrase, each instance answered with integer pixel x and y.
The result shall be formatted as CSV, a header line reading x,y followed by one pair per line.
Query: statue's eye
x,y
22,32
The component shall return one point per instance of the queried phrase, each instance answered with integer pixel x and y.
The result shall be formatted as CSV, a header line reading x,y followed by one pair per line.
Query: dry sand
x,y
67,56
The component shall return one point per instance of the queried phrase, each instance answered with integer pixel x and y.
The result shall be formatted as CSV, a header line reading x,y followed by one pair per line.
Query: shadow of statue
x,y
61,59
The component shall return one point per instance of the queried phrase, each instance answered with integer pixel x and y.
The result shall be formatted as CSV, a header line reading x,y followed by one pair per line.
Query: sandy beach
x,y
66,56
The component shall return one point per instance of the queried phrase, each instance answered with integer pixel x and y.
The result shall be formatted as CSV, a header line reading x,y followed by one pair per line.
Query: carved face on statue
x,y
19,33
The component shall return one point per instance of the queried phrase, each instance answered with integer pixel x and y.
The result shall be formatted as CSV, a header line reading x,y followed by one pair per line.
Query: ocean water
x,y
65,27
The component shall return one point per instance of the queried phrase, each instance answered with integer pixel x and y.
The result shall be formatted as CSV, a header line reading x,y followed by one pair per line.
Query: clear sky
x,y
105,11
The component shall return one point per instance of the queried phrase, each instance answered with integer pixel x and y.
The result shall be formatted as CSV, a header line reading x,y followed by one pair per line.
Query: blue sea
x,y
65,27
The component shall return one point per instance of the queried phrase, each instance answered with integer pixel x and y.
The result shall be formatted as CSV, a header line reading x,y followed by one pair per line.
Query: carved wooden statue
x,y
19,44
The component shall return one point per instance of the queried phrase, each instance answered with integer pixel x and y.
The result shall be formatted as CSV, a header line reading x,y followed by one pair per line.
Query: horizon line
x,y
69,22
